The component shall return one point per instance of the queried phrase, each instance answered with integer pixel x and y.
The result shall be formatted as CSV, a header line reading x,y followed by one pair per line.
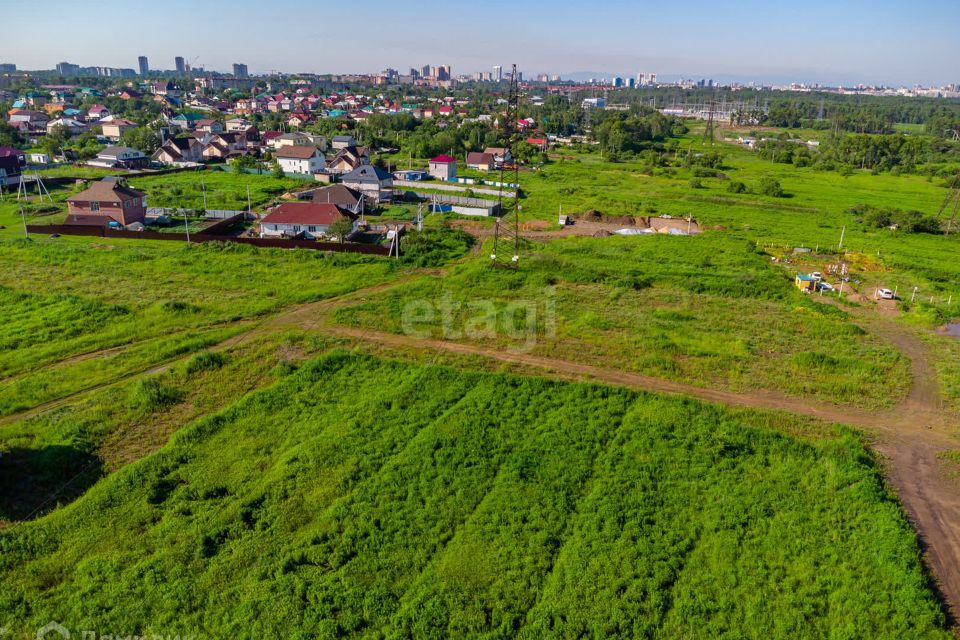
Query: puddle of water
x,y
953,329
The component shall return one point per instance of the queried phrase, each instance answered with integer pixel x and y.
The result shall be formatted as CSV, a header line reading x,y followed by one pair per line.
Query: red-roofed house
x,y
309,220
443,167
98,112
540,143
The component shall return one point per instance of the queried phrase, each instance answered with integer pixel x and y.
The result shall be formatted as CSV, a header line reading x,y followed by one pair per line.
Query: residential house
x,y
33,119
341,195
68,125
342,142
97,112
298,119
187,121
114,129
348,159
120,158
443,167
178,151
209,125
21,157
10,170
293,139
107,202
539,143
309,220
374,183
300,159
499,154
480,161
222,146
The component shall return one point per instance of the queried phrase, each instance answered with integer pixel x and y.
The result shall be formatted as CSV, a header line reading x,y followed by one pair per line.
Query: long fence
x,y
106,232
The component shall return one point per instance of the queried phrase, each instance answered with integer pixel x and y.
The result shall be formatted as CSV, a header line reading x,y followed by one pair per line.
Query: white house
x,y
443,167
310,220
300,159
373,182
342,142
119,158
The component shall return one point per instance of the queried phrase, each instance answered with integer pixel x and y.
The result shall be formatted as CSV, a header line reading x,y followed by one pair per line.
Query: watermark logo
x,y
53,630
516,325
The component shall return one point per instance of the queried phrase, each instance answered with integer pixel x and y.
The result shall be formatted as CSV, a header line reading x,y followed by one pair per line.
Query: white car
x,y
885,294
824,286
816,275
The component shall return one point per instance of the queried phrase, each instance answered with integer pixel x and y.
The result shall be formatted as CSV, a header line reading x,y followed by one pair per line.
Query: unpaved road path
x,y
909,438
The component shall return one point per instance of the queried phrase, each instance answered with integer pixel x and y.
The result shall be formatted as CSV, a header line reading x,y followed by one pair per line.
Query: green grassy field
x,y
162,483
364,497
709,310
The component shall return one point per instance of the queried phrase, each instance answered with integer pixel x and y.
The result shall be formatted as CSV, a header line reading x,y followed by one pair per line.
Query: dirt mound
x,y
603,233
596,216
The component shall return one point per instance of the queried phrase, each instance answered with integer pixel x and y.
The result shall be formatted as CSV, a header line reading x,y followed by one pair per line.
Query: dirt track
x,y
909,437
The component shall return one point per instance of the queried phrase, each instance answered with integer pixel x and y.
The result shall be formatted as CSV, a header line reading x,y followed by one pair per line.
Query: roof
x,y
106,191
10,151
342,138
119,122
299,152
306,213
337,194
443,159
116,151
367,173
270,135
804,278
477,157
89,220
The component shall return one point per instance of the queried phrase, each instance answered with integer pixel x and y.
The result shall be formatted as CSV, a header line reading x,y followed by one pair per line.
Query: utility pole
x,y
203,187
913,295
23,216
842,232
249,206
186,226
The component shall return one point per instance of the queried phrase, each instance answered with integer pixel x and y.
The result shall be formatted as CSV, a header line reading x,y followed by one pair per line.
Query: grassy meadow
x,y
289,483
361,497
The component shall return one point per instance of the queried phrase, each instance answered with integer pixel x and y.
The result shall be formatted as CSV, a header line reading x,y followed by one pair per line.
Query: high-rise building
x,y
240,70
497,73
67,69
617,82
144,65
631,83
443,72
7,67
426,71
181,65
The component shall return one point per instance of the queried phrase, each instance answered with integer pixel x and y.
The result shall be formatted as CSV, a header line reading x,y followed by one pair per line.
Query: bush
x,y
205,361
737,187
770,187
149,394
696,183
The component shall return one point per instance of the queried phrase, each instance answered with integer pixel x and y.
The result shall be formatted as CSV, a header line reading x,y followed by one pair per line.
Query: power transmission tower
x,y
709,133
506,235
951,204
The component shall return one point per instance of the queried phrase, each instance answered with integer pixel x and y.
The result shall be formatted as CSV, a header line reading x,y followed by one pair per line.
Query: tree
x,y
240,163
341,228
144,139
276,170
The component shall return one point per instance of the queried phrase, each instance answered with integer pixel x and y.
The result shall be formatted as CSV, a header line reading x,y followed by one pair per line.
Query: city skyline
x,y
749,41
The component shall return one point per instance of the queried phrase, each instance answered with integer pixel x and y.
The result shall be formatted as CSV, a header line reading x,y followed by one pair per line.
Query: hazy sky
x,y
835,41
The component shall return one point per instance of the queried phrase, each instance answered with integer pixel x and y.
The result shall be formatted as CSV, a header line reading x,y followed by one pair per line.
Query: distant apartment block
x,y
181,65
6,67
144,65
240,70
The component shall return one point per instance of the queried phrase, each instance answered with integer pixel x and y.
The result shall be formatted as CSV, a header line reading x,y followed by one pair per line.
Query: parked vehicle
x,y
824,286
816,275
886,294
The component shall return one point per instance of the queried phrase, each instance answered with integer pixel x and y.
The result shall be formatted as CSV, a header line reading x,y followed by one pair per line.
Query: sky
x,y
891,42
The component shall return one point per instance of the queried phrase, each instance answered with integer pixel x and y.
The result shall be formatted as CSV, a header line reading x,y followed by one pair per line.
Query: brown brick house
x,y
106,201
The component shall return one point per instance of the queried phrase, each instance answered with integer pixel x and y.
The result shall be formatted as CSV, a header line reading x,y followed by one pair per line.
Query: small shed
x,y
807,284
